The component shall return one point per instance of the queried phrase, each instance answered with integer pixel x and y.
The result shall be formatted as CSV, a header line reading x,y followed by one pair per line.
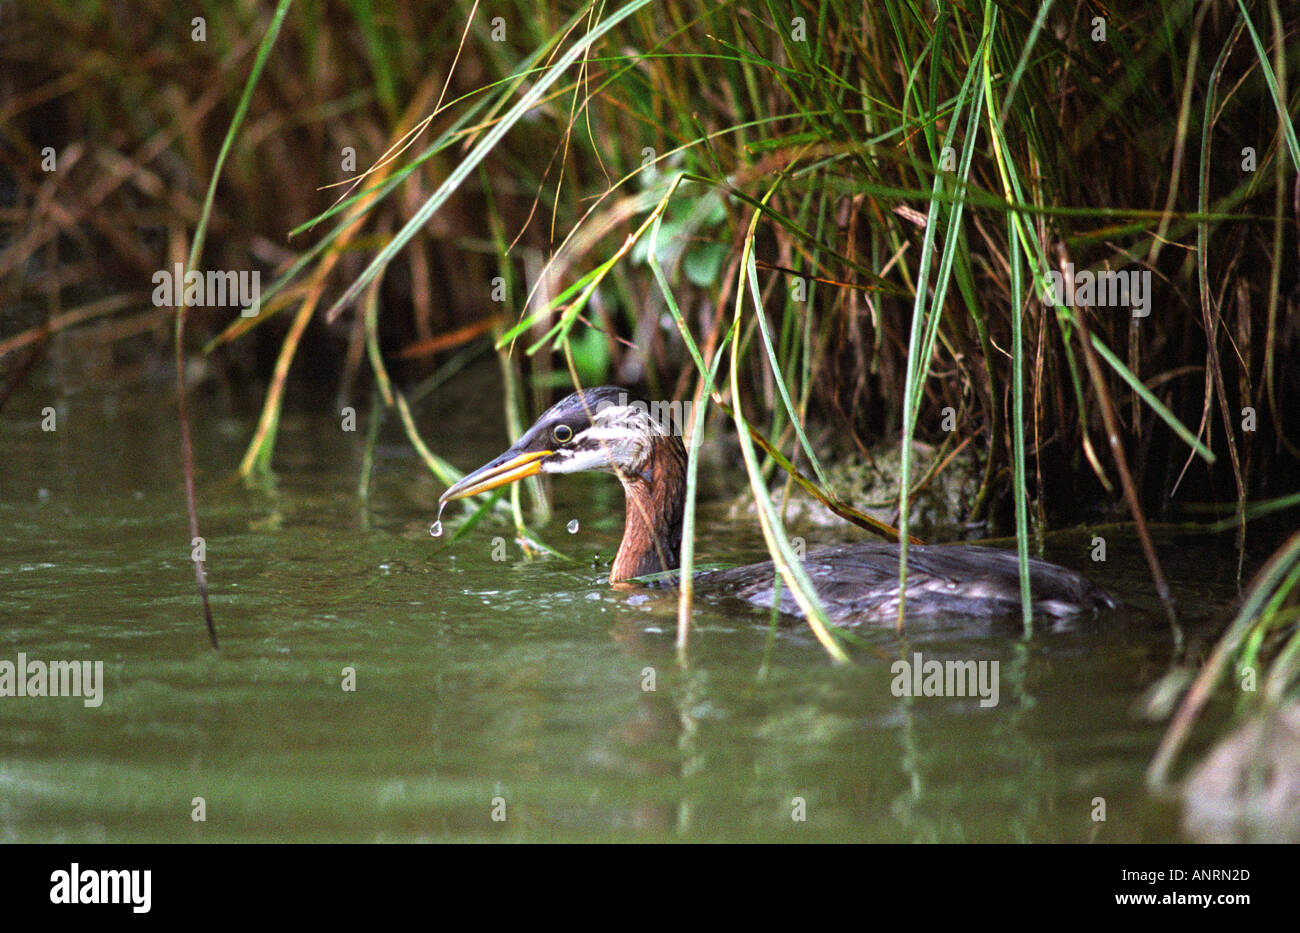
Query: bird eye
x,y
562,433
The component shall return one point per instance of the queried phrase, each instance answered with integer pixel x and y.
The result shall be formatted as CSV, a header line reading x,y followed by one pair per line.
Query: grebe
x,y
600,429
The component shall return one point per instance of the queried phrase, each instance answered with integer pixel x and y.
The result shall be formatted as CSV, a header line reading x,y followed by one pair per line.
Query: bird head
x,y
600,429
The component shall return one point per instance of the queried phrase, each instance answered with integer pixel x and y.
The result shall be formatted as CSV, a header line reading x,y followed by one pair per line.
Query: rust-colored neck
x,y
656,496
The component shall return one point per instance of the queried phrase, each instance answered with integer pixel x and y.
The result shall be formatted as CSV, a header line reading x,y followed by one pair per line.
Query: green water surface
x,y
514,688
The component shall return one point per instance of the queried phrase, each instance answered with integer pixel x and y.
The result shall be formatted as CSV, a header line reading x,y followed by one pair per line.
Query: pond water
x,y
502,699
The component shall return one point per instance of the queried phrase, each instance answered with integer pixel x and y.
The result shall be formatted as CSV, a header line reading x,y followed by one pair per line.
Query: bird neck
x,y
656,498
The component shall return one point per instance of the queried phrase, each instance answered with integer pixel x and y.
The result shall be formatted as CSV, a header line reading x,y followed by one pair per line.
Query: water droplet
x,y
573,527
436,529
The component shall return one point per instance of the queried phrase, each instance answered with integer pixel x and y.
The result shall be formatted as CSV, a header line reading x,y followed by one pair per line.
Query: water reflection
x,y
483,674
